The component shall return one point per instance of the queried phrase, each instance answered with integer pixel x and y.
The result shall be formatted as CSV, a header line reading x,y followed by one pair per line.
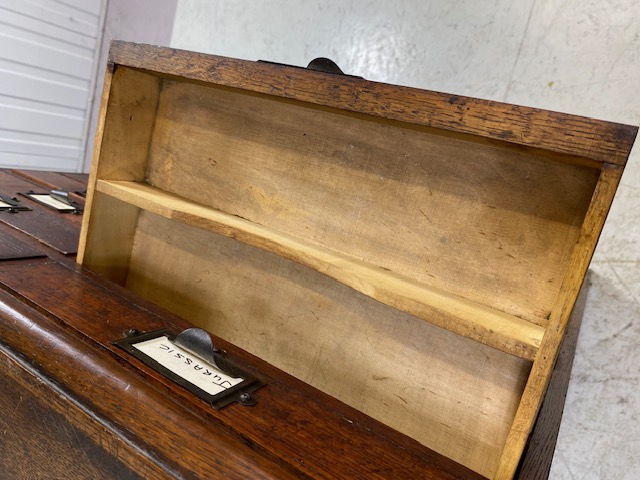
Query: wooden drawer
x,y
415,255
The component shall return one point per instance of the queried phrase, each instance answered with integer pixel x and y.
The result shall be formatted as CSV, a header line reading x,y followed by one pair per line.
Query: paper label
x,y
187,366
52,202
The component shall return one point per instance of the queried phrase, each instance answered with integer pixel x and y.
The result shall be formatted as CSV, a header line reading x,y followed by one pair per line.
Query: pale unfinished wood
x,y
546,358
487,223
504,332
93,174
452,394
128,124
123,135
109,238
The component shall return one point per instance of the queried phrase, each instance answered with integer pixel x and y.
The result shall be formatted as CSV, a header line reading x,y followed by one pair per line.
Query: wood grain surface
x,y
36,385
59,231
421,201
292,424
39,438
74,184
556,132
538,454
542,368
420,379
12,247
507,333
118,410
487,223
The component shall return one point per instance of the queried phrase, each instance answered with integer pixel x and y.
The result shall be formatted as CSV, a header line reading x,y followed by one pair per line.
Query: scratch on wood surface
x,y
425,216
396,395
17,405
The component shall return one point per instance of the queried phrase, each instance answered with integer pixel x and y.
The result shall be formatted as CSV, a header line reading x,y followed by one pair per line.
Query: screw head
x,y
246,399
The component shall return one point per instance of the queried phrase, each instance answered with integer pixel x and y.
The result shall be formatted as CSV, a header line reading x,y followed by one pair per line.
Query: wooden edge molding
x,y
538,454
560,133
545,361
93,174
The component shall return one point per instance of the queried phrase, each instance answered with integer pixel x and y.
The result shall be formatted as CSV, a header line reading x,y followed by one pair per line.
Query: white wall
x,y
141,21
576,56
47,70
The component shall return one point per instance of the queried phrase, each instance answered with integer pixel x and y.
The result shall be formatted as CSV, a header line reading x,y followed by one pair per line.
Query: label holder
x,y
58,200
197,343
12,204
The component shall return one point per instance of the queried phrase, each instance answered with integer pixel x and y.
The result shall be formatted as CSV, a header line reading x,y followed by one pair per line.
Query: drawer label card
x,y
192,361
50,201
188,366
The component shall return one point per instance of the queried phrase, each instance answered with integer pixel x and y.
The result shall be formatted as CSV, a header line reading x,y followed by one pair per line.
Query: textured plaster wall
x,y
576,56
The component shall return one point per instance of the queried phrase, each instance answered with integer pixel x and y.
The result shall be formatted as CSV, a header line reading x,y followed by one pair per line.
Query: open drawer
x,y
414,254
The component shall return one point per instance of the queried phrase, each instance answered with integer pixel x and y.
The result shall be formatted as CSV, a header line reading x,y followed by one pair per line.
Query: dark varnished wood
x,y
81,177
56,326
54,232
529,127
12,247
293,422
39,439
59,231
151,434
53,180
75,184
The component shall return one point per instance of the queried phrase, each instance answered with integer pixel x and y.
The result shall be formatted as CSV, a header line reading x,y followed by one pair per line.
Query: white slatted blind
x,y
48,51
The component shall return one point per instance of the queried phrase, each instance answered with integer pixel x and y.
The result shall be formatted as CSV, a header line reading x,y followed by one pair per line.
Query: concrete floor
x,y
576,56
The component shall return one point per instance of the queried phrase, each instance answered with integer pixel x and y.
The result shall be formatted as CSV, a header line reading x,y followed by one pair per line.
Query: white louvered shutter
x,y
48,52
